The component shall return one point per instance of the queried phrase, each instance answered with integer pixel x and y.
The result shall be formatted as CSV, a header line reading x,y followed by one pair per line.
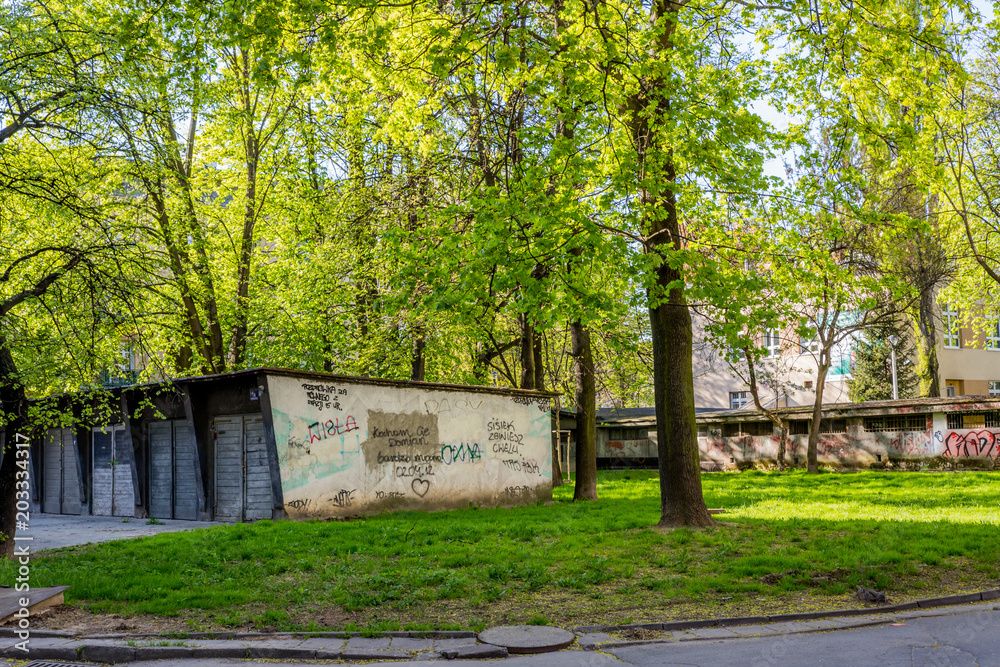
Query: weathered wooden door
x,y
161,470
242,473
257,480
114,494
186,472
60,473
173,471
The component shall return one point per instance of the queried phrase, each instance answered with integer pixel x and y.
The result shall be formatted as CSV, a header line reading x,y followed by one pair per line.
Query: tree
x,y
872,369
968,187
60,271
753,305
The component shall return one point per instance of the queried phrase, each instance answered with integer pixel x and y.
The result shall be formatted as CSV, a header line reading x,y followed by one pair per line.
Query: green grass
x,y
909,534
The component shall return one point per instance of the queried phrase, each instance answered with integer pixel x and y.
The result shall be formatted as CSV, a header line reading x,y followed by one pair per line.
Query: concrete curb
x,y
55,645
114,651
415,634
982,596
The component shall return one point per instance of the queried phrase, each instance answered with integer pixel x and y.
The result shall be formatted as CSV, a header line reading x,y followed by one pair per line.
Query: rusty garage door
x,y
242,472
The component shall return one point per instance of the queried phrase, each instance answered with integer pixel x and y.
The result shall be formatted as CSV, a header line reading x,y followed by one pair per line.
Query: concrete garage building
x,y
910,434
273,443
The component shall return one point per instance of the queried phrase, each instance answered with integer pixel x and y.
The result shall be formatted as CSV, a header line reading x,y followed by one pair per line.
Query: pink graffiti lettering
x,y
976,443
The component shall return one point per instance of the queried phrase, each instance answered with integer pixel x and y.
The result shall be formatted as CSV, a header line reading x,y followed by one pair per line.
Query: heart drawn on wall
x,y
420,487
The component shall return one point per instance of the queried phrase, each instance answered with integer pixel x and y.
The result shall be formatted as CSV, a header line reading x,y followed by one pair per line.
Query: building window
x,y
989,419
809,341
993,334
833,426
737,399
896,423
798,427
735,429
994,387
952,335
772,343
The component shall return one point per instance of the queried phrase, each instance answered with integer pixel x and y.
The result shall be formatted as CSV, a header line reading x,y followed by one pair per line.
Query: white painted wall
x,y
347,448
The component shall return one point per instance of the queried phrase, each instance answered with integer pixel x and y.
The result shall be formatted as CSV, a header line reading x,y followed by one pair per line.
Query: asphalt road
x,y
960,640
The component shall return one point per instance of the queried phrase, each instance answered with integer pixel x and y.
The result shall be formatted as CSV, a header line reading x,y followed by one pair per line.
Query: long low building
x,y
273,443
913,433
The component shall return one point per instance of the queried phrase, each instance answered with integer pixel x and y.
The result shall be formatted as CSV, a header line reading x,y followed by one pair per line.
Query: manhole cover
x,y
527,638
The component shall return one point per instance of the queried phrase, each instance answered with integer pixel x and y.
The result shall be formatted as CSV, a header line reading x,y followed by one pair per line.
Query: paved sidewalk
x,y
271,647
596,649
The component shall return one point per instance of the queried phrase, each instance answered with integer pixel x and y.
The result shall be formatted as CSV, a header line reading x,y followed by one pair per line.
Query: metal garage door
x,y
242,473
61,473
113,492
173,473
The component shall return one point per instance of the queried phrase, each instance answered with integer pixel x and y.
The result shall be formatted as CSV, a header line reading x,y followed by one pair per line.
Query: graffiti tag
x,y
465,452
976,443
343,498
331,427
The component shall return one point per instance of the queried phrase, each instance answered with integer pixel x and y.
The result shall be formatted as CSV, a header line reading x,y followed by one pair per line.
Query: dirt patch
x,y
820,578
81,621
624,602
773,578
632,634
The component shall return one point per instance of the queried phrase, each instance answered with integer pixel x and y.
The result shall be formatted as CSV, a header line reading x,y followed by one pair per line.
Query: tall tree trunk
x,y
681,499
812,456
586,413
927,360
536,351
528,373
12,401
775,419
238,342
782,444
418,365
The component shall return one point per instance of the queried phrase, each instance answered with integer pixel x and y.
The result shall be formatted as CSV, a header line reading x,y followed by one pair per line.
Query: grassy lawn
x,y
788,542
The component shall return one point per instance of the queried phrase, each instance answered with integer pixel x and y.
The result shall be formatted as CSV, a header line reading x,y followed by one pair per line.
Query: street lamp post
x,y
893,340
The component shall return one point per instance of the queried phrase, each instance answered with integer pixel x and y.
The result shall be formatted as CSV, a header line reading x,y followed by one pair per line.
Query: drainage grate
x,y
50,663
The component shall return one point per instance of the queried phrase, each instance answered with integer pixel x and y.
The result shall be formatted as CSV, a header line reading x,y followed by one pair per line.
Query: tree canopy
x,y
506,192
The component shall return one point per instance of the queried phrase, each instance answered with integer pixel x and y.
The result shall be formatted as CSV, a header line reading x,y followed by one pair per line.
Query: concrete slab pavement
x,y
55,531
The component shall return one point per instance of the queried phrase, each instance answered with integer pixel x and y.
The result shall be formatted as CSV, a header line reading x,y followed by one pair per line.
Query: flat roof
x,y
866,409
351,379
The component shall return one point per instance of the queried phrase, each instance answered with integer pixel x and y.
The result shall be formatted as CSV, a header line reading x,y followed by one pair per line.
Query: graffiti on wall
x,y
857,446
973,443
351,448
910,443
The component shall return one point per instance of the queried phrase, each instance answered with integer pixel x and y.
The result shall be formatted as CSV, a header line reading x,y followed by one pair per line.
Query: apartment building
x,y
968,363
969,359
